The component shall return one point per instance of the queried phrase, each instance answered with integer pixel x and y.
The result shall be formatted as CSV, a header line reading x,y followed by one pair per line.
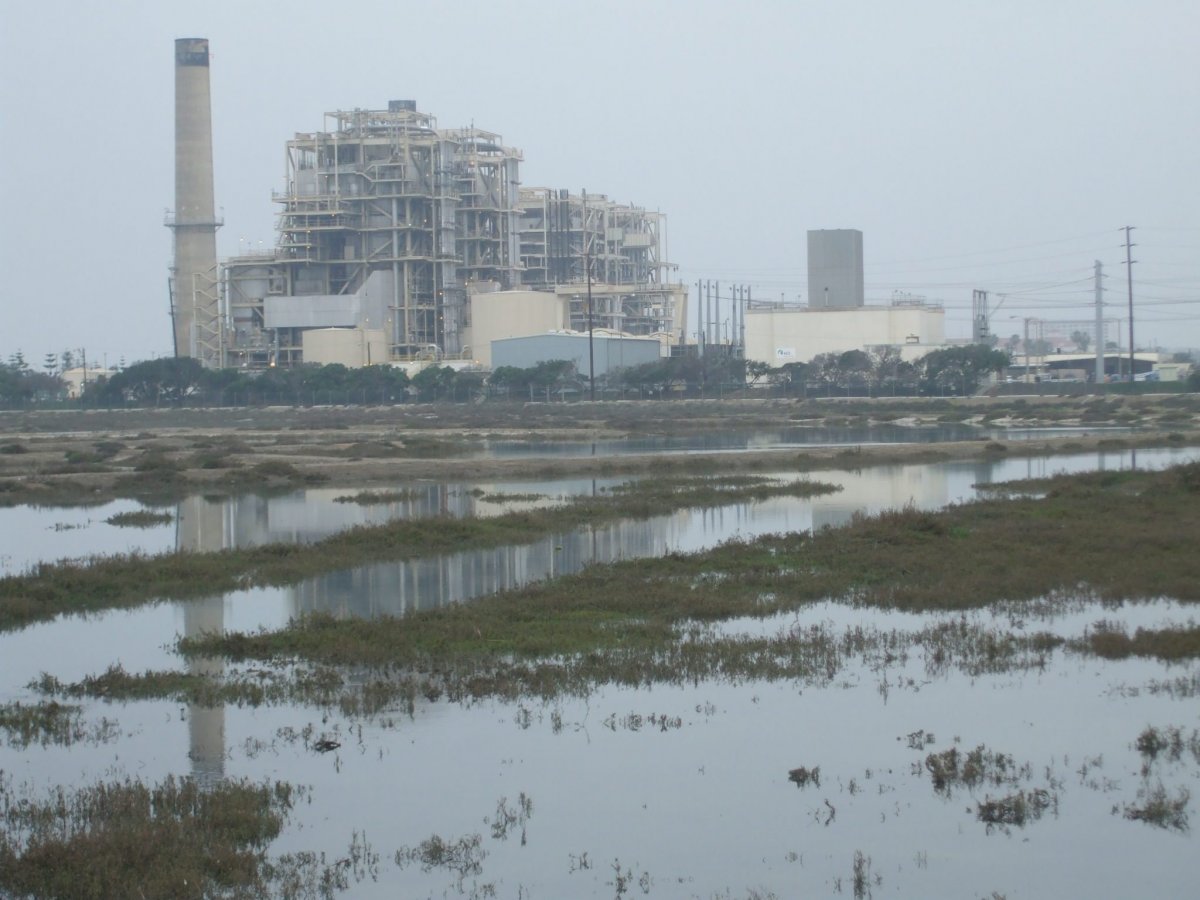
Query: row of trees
x,y
20,384
166,382
956,369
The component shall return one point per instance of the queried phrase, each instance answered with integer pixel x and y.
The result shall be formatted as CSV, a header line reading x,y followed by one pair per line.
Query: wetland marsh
x,y
995,686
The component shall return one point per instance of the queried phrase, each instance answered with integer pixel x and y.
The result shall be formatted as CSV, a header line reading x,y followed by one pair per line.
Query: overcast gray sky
x,y
998,145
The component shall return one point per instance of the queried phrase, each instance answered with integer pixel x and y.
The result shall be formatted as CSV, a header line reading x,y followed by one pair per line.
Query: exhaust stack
x,y
195,303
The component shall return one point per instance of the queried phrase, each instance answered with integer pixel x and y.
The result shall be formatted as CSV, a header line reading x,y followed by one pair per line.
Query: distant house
x,y
78,379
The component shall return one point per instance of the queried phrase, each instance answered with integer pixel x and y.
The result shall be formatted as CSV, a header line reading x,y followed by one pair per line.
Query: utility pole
x,y
715,313
1129,261
742,336
738,299
587,256
1099,322
1026,345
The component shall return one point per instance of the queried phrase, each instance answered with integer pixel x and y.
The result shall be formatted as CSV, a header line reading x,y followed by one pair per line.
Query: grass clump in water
x,y
950,768
378,498
1110,641
1159,808
1016,809
127,839
49,722
140,518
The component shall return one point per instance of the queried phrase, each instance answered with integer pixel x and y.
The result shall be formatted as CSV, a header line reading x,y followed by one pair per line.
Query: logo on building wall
x,y
785,352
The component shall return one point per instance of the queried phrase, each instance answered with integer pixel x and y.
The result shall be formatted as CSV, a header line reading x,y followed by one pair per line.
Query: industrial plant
x,y
403,242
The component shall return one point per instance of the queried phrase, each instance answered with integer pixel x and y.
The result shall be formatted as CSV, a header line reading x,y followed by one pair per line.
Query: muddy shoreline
x,y
74,457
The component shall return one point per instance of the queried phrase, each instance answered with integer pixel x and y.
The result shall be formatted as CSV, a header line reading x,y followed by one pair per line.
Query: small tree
x,y
1082,340
756,370
434,382
960,368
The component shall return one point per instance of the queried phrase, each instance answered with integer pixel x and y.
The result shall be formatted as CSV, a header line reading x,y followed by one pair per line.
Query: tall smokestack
x,y
195,307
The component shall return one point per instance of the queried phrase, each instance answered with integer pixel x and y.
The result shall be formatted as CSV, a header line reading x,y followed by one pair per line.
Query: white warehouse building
x,y
780,335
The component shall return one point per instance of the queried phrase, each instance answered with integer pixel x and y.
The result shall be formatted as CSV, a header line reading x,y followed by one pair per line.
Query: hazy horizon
x,y
993,146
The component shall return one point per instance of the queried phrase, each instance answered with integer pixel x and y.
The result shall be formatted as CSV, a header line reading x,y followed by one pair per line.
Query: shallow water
x,y
783,438
701,803
697,802
45,534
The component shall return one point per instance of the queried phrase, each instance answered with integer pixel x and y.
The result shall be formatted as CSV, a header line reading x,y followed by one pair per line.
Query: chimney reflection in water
x,y
200,526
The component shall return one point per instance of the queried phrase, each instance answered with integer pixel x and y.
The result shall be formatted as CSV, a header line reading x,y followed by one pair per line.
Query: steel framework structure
x,y
388,190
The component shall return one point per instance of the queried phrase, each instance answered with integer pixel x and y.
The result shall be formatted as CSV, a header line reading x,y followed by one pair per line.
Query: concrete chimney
x,y
195,306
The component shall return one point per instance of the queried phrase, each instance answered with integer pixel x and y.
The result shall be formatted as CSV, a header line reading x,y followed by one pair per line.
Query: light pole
x,y
1025,342
587,255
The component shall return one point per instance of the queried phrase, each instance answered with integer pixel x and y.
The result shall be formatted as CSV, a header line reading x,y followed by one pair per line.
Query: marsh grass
x,y
1111,641
123,581
1158,807
127,839
464,856
50,723
378,498
952,768
1169,743
802,776
645,621
140,518
1017,809
650,621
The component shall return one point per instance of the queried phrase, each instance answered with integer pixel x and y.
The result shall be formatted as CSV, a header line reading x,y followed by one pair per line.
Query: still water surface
x,y
698,809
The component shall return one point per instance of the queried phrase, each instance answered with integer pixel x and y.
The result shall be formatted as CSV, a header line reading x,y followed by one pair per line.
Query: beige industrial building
x,y
837,318
497,315
778,335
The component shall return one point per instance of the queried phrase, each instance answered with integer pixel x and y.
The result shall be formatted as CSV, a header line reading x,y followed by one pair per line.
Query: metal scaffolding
x,y
389,222
561,234
386,190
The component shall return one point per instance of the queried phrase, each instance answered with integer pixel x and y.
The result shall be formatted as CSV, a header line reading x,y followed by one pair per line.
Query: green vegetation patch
x,y
511,497
1159,807
141,518
378,498
651,620
49,722
1170,644
127,839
